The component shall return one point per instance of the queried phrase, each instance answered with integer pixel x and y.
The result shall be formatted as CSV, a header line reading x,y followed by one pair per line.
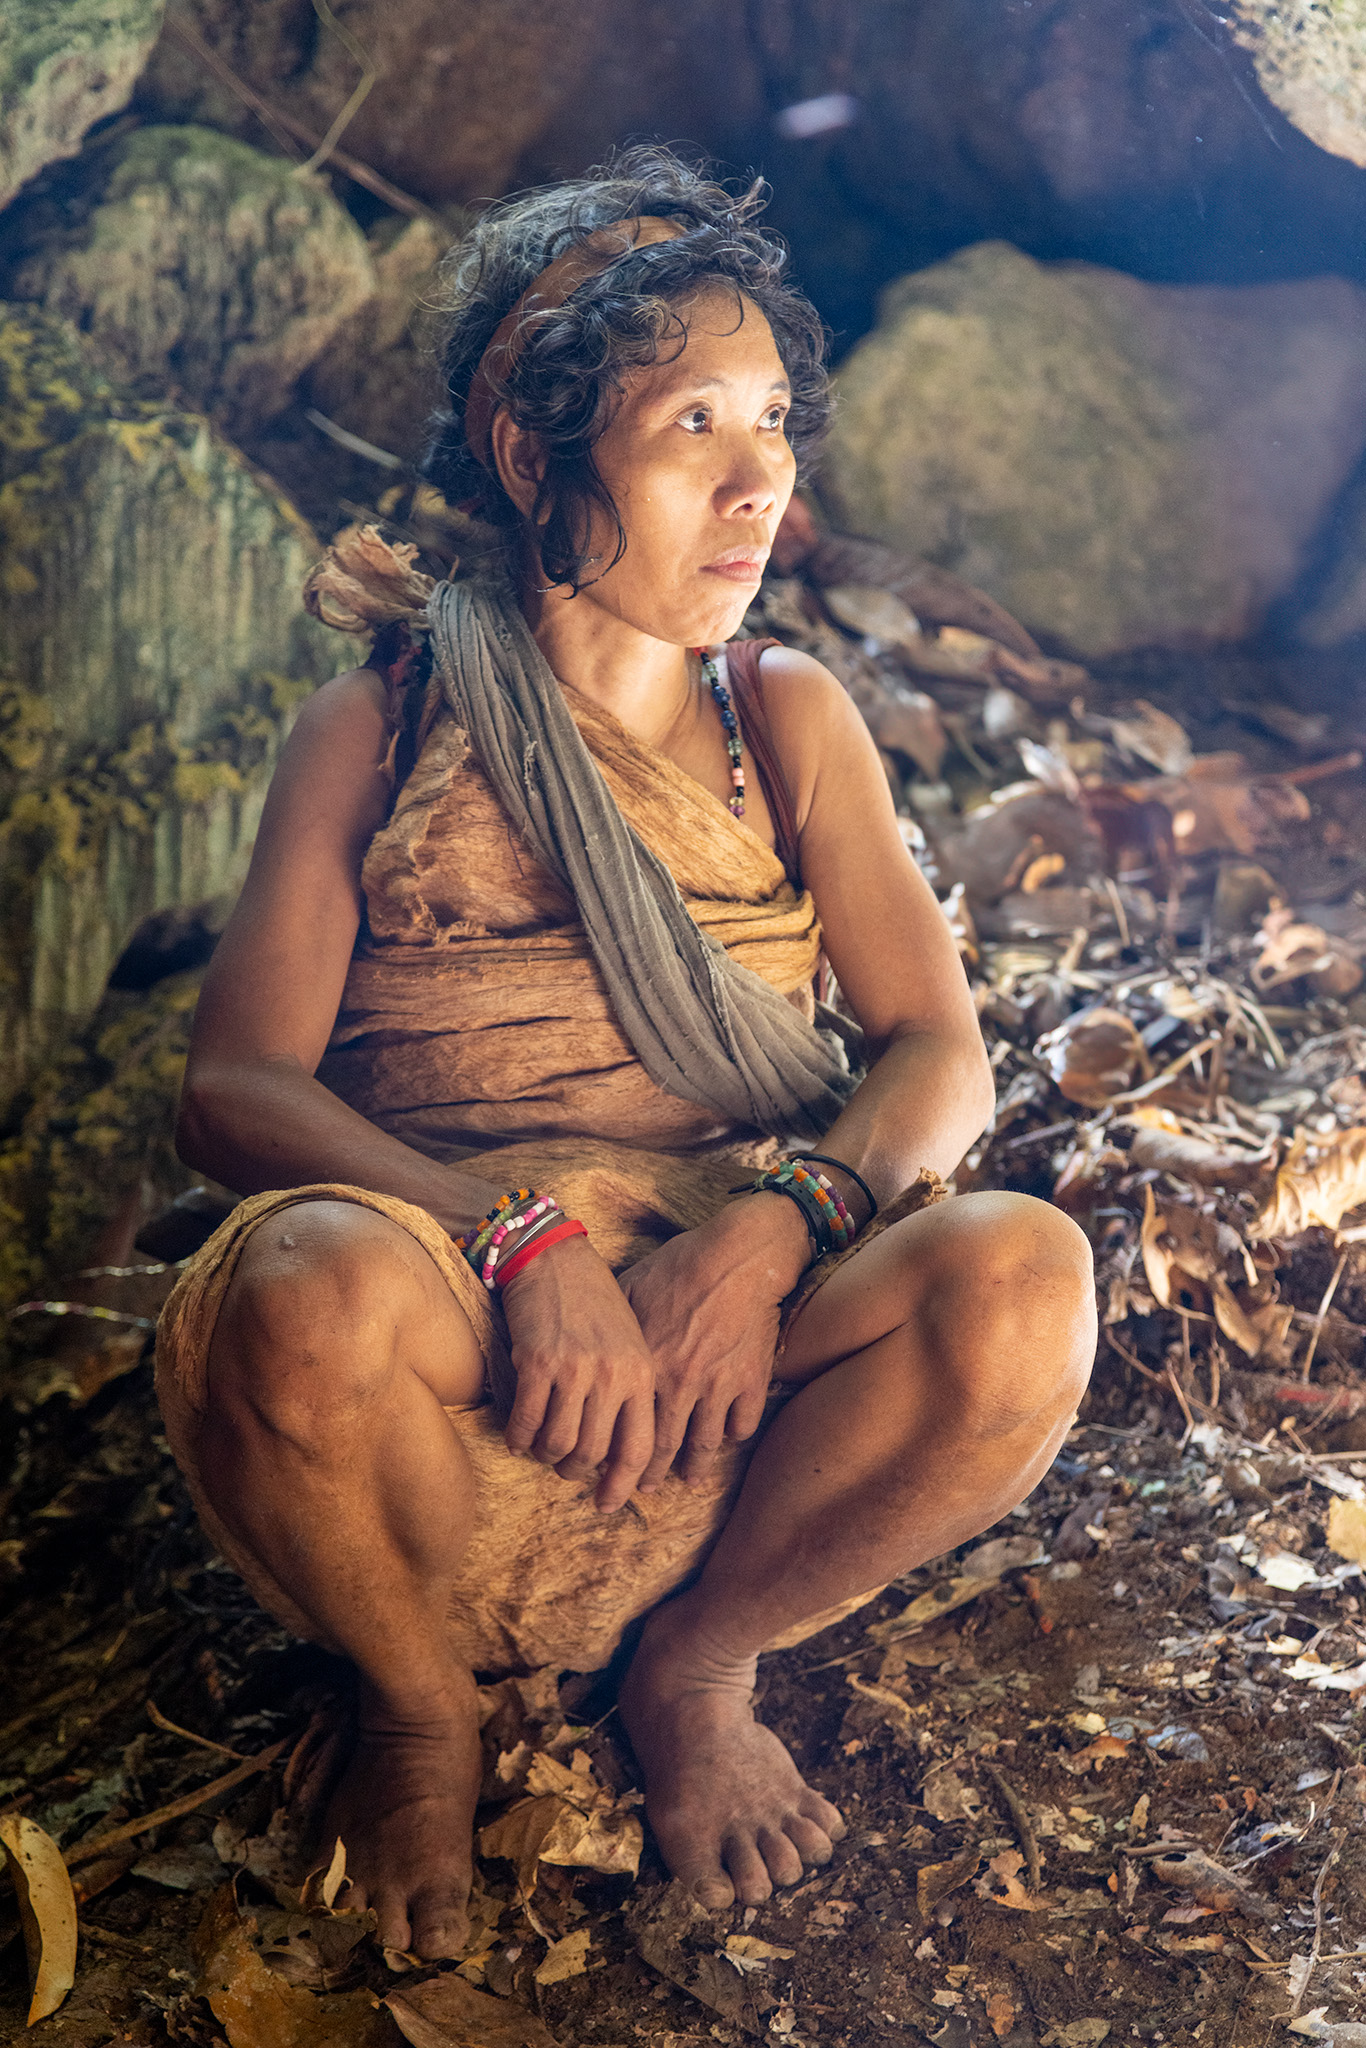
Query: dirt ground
x,y
1102,1769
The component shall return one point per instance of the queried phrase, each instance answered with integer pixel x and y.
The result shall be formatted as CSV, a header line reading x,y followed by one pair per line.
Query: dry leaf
x,y
256,2008
1095,1056
569,1819
877,614
934,1881
1320,1181
47,1911
750,1949
1292,951
1178,1241
566,1958
945,1795
1208,1882
1001,2013
926,1607
1154,736
908,722
1000,1884
1215,1166
1347,1529
446,2012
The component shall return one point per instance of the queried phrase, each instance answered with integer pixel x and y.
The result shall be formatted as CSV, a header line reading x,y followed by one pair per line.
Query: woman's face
x,y
699,466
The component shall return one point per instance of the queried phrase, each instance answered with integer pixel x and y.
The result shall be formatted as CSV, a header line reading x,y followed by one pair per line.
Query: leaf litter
x,y
1098,1762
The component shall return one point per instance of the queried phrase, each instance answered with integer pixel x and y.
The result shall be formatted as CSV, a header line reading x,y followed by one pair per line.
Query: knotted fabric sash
x,y
704,1027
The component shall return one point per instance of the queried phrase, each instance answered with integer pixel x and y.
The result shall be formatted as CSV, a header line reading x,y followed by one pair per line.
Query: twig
x,y
1117,905
1184,1405
159,1720
284,126
100,1845
1316,1945
348,113
1329,1291
1024,1827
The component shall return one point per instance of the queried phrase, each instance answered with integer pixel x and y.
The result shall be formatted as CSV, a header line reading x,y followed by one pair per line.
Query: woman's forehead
x,y
726,343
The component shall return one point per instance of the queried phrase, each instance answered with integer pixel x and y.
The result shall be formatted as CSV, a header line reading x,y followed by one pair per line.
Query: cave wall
x,y
183,297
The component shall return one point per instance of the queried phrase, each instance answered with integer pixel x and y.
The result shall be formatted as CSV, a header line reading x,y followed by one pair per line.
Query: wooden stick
x,y
100,1845
159,1720
1324,1307
1024,1827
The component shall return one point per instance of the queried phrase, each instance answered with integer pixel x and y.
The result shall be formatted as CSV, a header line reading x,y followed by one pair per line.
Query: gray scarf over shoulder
x,y
704,1027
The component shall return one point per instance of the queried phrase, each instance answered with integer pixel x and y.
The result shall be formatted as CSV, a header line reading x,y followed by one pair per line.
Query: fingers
x,y
632,1442
706,1434
528,1412
746,1414
670,1428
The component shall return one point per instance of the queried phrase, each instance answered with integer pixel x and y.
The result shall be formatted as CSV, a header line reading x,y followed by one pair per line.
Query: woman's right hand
x,y
585,1376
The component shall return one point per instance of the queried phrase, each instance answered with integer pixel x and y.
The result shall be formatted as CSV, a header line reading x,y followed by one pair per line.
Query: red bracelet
x,y
541,1243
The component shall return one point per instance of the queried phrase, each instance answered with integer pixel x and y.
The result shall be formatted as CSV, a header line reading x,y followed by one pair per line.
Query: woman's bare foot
x,y
731,1813
405,1810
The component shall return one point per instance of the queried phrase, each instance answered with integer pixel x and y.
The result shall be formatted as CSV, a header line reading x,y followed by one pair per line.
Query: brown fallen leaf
x,y
1293,951
1208,1883
1347,1529
565,1958
1154,736
1217,1166
257,2008
1000,1884
908,722
1001,2013
927,1607
947,1797
568,1819
877,614
47,1912
446,2012
1095,1056
1319,1182
1178,1242
934,1881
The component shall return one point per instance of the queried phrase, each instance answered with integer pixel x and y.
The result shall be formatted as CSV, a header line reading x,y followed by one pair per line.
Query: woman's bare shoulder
x,y
813,720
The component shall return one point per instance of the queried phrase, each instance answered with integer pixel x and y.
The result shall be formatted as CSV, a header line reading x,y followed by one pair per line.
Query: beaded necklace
x,y
731,724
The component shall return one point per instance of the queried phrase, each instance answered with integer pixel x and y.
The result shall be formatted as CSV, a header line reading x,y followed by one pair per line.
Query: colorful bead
x,y
730,726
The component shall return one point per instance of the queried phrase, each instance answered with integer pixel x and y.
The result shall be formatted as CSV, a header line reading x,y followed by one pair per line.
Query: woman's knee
x,y
1012,1298
312,1310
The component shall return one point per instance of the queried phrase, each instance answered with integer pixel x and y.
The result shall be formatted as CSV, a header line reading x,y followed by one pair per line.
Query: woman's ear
x,y
519,459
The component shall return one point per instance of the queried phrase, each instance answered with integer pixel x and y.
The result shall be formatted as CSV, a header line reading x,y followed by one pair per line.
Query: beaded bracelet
x,y
829,1223
824,1159
519,1225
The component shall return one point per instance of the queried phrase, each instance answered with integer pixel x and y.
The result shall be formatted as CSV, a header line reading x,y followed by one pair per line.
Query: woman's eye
x,y
776,418
695,420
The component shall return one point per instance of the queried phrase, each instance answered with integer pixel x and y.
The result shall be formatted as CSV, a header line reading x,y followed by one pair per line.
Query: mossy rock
x,y
65,64
1118,463
1311,63
194,263
155,651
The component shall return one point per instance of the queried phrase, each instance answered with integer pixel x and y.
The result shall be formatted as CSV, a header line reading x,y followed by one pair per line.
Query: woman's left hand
x,y
708,1304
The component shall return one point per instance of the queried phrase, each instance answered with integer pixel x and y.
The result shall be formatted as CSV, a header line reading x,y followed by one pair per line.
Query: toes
x,y
812,1843
391,1912
749,1872
715,1892
827,1817
439,1932
781,1855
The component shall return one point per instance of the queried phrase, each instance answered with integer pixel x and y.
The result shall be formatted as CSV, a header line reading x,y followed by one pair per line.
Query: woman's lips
x,y
737,568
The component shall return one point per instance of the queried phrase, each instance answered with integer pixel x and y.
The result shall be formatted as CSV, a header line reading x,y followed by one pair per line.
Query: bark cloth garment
x,y
475,1027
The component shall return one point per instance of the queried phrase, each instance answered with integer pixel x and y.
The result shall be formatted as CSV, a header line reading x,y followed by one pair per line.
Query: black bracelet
x,y
823,1159
817,1229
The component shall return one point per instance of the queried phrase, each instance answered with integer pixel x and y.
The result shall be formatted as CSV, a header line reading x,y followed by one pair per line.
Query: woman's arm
x,y
928,1093
253,1115
251,1112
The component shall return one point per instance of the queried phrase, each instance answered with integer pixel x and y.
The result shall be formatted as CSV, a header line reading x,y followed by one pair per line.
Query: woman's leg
x,y
938,1372
325,1452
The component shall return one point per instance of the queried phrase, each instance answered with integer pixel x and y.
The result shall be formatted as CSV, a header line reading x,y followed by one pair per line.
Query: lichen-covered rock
x,y
194,263
1117,463
1311,62
63,65
154,650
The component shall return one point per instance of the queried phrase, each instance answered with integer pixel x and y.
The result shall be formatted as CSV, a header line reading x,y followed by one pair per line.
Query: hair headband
x,y
588,258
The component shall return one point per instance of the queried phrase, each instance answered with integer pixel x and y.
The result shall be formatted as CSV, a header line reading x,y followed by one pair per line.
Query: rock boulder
x,y
63,67
155,650
1117,463
1311,63
195,263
